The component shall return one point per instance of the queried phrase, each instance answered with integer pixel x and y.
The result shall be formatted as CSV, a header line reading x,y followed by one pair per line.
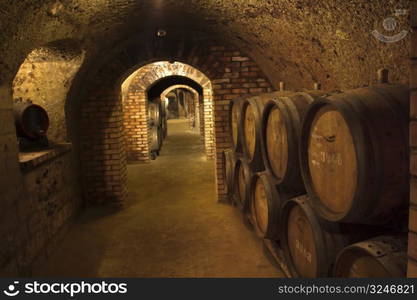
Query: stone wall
x,y
11,235
49,199
412,242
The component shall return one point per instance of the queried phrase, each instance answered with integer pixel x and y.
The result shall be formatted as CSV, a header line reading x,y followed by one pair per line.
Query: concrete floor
x,y
171,226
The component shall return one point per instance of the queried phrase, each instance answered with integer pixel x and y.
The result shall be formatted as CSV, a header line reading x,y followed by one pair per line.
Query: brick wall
x,y
412,243
241,76
136,119
103,153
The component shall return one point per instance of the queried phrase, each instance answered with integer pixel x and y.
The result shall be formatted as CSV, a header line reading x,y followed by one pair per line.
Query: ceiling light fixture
x,y
161,33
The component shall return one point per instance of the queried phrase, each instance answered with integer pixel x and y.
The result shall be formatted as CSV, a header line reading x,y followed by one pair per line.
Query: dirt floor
x,y
171,226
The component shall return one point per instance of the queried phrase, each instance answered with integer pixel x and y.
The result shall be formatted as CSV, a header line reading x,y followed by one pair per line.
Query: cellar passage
x,y
284,114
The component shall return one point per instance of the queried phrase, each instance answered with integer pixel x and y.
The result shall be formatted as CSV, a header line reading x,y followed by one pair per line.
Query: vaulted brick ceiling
x,y
297,41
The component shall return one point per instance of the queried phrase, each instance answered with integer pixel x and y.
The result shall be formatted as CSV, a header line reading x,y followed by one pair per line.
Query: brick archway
x,y
178,86
135,105
197,118
95,106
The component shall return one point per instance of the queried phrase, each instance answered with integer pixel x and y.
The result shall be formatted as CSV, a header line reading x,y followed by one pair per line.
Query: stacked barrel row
x,y
157,126
325,176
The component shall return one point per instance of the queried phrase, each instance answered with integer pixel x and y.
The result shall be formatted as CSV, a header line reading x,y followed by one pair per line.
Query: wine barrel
x,y
281,128
266,201
242,176
160,137
155,114
235,107
310,245
380,257
155,136
164,126
31,120
163,108
229,162
251,128
354,154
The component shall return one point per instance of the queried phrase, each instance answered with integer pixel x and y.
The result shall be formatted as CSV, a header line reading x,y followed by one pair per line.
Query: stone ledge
x,y
30,160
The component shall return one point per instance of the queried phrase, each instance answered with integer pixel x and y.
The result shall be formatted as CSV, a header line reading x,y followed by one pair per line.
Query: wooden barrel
x,y
155,136
281,128
242,176
310,245
251,128
164,126
155,114
354,154
160,137
31,120
229,162
163,107
266,201
380,257
235,107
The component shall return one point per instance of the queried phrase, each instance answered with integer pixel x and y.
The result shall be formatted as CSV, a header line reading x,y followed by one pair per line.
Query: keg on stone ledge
x,y
379,257
31,120
310,245
354,154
